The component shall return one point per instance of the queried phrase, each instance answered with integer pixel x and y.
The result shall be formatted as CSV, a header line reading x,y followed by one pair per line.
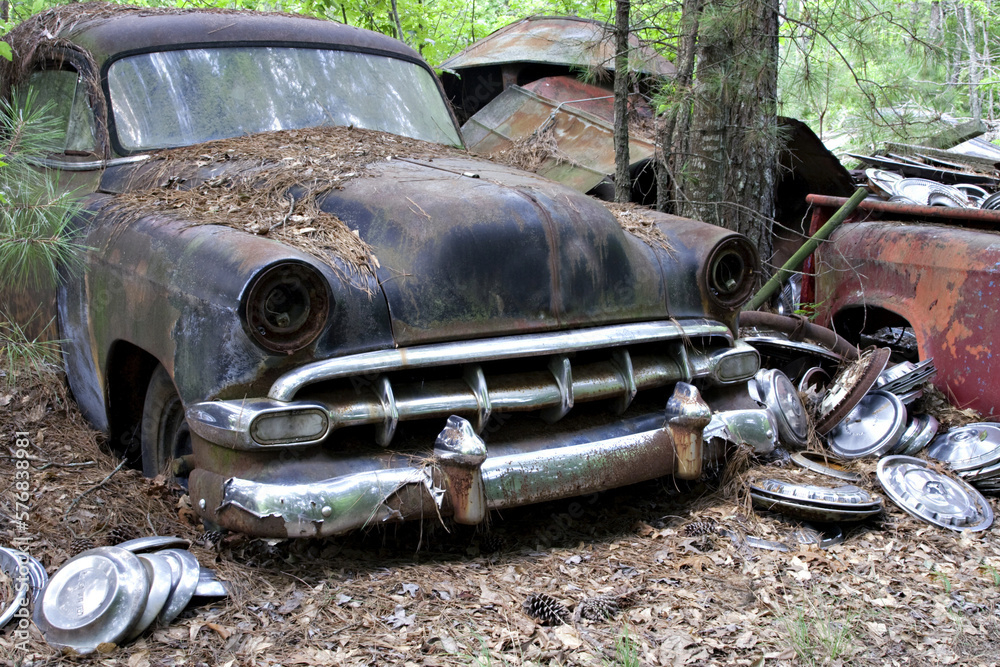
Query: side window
x,y
63,90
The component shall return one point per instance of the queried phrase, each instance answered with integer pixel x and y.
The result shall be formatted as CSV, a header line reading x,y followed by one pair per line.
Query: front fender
x,y
173,288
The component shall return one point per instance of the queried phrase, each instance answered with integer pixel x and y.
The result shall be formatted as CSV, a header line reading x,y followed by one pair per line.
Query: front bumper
x,y
285,465
460,480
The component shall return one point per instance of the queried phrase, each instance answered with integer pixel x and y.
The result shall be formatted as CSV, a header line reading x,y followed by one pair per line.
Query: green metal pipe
x,y
795,261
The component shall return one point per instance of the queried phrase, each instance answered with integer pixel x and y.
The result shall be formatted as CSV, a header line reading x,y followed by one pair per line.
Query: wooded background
x,y
858,72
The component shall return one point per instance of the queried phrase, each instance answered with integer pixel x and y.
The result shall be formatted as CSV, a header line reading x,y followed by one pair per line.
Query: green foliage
x,y
878,70
626,650
34,246
33,240
818,639
18,350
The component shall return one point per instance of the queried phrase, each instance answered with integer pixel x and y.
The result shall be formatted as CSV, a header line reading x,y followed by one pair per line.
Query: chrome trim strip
x,y
90,165
227,423
492,349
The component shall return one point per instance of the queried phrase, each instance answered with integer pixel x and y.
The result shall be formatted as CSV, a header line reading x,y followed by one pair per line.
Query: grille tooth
x,y
476,379
387,429
622,361
562,371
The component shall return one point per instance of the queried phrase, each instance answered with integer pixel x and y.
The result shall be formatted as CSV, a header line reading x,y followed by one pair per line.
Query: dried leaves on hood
x,y
270,184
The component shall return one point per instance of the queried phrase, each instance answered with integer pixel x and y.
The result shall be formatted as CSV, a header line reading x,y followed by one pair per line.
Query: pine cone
x,y
697,528
212,539
627,600
123,532
545,609
599,607
79,545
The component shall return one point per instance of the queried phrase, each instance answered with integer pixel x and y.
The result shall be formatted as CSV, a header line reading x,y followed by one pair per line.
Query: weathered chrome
x,y
95,598
872,428
209,586
778,393
471,394
158,574
917,435
493,349
354,501
562,371
519,473
811,511
141,545
968,447
687,416
89,165
622,361
756,428
476,379
229,423
184,570
390,411
905,376
28,578
841,497
461,454
933,496
824,465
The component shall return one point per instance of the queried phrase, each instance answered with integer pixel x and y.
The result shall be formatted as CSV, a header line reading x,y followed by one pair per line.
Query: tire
x,y
165,433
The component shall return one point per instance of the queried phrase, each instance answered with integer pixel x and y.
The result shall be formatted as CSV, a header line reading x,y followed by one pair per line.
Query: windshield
x,y
180,98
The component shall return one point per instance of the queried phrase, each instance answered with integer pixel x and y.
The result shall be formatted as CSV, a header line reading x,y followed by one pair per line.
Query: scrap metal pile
x,y
864,408
929,177
892,186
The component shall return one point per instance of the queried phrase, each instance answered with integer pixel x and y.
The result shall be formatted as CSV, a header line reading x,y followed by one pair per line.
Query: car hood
x,y
468,248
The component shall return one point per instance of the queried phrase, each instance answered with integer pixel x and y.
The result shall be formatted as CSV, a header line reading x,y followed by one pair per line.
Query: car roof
x,y
106,30
557,40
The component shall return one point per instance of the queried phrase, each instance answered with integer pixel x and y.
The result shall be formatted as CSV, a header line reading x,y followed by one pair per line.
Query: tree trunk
x,y
399,25
730,176
672,139
623,185
975,75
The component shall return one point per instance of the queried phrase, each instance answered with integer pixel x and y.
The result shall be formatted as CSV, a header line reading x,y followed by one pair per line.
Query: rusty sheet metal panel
x,y
563,40
586,142
944,280
574,93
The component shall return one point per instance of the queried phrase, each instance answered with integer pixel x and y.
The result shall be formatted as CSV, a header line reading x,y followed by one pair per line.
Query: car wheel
x,y
165,433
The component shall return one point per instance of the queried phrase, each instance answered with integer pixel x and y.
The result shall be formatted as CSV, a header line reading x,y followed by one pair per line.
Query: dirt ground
x,y
896,592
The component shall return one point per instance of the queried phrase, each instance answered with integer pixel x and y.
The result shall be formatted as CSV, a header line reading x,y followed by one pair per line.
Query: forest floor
x,y
897,591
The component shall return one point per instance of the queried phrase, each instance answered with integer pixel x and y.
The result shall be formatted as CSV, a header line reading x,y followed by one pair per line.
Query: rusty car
x,y
303,299
920,271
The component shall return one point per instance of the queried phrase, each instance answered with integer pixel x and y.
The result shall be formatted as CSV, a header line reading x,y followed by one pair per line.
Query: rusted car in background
x,y
320,313
924,280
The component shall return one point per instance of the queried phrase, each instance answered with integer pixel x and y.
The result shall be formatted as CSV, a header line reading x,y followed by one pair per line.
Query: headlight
x,y
286,306
731,271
